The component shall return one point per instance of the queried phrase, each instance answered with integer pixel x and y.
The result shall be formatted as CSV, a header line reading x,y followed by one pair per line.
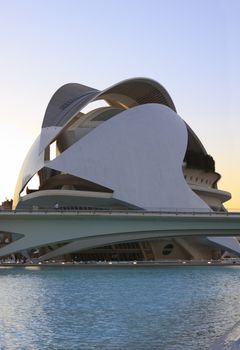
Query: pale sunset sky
x,y
191,47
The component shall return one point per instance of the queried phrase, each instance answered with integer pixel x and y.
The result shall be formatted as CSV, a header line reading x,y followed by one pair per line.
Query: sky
x,y
191,47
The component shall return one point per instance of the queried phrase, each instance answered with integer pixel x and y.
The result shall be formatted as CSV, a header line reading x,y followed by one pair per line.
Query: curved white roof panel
x,y
139,154
137,91
63,101
31,165
71,98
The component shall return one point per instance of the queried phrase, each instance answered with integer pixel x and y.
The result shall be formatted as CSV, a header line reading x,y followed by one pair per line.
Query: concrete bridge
x,y
88,229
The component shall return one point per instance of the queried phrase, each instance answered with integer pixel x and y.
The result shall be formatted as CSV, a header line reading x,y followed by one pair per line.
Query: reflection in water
x,y
181,308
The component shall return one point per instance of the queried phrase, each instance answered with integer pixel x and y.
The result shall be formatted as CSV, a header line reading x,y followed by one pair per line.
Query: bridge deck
x,y
83,229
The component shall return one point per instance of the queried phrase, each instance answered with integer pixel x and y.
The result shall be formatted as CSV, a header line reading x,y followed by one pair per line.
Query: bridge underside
x,y
67,233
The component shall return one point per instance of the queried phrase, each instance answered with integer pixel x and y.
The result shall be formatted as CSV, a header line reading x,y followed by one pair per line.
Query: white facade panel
x,y
139,155
32,163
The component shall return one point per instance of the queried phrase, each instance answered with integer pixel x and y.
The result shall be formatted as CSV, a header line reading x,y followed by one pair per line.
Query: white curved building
x,y
123,148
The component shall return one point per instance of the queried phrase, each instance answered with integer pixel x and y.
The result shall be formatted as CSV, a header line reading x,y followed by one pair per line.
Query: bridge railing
x,y
163,211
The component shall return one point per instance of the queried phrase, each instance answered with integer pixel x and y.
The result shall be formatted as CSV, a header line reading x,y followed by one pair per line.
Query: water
x,y
115,308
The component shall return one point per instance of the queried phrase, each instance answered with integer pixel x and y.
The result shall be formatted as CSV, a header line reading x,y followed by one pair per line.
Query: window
x,y
167,250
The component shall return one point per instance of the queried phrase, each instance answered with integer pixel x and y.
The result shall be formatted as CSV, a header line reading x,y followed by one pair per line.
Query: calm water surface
x,y
133,308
